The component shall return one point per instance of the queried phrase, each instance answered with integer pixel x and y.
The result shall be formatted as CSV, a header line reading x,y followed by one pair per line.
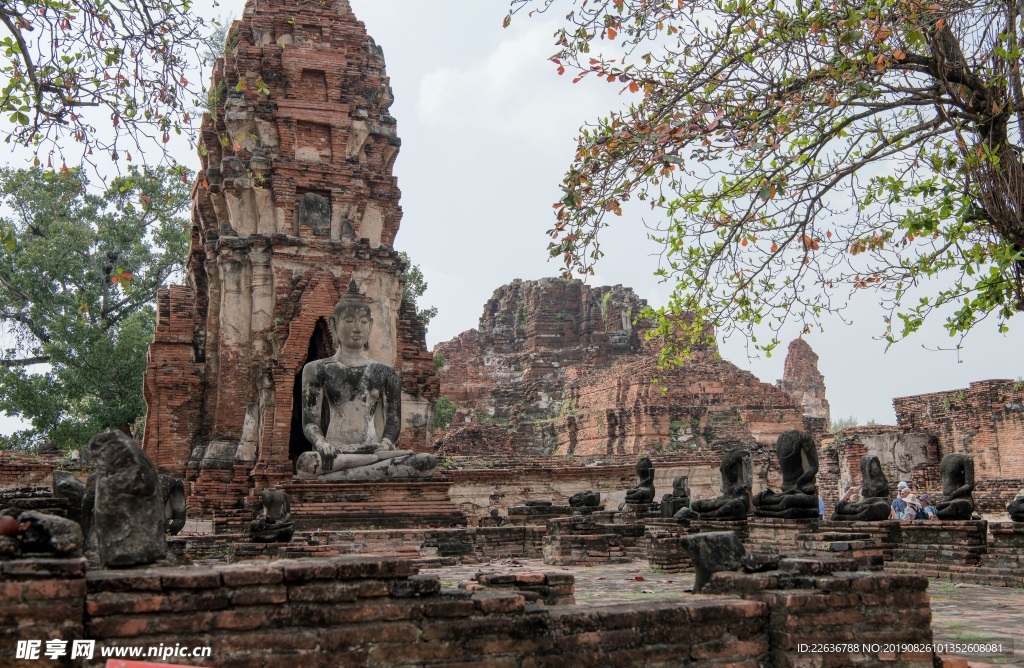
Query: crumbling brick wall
x,y
985,421
369,611
18,469
564,368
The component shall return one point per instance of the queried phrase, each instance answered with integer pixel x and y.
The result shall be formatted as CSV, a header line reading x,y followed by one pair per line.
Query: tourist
x,y
913,511
821,508
900,503
929,509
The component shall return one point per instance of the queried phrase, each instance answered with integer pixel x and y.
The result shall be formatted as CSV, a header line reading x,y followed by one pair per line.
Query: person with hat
x,y
913,510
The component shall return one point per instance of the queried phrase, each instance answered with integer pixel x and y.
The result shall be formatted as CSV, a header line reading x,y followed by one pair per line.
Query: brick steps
x,y
385,505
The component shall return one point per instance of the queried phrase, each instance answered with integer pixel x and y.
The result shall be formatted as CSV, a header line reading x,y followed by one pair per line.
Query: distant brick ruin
x,y
295,198
564,369
802,381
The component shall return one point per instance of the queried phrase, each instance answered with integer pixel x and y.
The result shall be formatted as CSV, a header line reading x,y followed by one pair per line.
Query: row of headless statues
x,y
798,495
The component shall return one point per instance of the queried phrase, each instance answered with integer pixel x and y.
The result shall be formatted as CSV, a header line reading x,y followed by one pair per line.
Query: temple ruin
x,y
572,465
295,199
567,369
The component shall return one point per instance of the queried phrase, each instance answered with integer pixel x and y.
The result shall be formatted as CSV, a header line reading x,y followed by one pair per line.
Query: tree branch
x,y
28,361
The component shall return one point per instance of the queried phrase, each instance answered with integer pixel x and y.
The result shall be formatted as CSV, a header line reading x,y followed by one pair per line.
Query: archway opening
x,y
321,345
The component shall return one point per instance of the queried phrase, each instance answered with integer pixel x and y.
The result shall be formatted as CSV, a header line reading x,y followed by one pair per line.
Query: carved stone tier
x,y
887,533
384,505
861,547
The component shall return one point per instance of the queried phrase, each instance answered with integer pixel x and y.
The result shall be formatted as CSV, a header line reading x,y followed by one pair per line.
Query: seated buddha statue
x,y
364,399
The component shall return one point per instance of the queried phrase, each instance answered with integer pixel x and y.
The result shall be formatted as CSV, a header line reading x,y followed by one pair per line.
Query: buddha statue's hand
x,y
386,444
328,452
323,447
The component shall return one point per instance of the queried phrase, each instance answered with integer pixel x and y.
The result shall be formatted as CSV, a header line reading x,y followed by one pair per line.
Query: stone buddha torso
x,y
356,396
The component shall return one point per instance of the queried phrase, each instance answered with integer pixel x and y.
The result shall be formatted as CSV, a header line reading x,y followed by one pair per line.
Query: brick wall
x,y
985,421
19,469
809,602
369,612
372,612
40,599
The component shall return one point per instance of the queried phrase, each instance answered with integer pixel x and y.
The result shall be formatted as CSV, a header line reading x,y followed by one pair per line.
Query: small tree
x,y
444,410
414,288
840,424
77,287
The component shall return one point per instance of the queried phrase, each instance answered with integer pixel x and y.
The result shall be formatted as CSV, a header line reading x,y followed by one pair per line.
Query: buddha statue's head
x,y
352,320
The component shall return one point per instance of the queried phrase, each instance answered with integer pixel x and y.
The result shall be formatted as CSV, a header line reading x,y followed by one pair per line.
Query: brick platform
x,y
390,504
466,545
815,601
582,541
938,548
376,612
774,535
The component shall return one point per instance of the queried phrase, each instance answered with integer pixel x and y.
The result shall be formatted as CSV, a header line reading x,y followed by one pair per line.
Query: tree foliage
x,y
414,286
104,73
842,423
444,410
799,151
76,294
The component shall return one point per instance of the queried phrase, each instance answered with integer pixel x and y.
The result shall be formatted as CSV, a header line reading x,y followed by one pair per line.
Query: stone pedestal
x,y
860,547
582,541
770,534
372,505
538,514
1003,561
887,533
958,543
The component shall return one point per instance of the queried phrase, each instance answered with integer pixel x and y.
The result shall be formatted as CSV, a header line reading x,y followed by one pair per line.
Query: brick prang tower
x,y
295,198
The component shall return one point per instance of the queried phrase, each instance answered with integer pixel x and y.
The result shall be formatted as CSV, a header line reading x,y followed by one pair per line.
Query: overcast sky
x,y
487,131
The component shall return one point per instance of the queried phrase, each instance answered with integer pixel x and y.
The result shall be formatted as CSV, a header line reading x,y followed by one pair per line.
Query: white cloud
x,y
515,92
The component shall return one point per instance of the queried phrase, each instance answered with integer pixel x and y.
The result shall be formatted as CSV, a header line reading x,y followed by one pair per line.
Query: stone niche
x,y
283,219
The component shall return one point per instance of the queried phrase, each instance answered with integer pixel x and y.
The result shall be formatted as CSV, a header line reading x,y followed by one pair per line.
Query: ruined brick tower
x,y
802,381
295,197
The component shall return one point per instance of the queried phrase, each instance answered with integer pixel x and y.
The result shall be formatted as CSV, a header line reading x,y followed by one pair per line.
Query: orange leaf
x,y
612,33
633,87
